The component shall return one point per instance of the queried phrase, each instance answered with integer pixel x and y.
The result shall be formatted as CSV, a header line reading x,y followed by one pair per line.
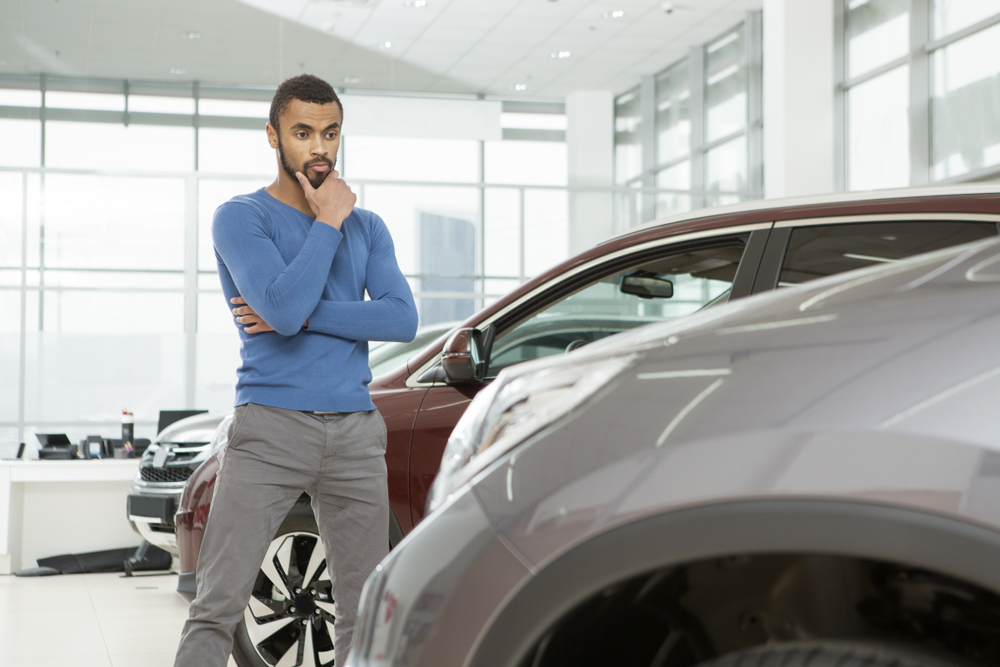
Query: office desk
x,y
48,508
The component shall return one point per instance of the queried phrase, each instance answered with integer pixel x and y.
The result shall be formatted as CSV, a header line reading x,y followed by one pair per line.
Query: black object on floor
x,y
146,557
37,572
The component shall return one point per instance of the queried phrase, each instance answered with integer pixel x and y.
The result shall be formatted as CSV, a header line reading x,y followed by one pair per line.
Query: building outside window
x,y
919,94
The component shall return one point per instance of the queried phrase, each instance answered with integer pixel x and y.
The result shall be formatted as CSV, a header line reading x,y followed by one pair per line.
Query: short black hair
x,y
305,87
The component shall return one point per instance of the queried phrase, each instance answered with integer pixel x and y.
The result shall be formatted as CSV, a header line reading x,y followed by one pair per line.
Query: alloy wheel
x,y
289,619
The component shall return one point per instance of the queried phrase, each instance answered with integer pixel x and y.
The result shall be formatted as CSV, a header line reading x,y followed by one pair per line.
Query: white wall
x,y
798,97
73,518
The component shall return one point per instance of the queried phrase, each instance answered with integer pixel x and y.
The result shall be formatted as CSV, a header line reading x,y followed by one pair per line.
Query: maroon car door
x,y
441,409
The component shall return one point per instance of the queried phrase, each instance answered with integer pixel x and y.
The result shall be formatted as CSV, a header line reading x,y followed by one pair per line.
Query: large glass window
x,y
22,142
74,145
878,32
949,16
525,162
878,132
703,130
677,177
965,111
725,86
234,151
901,98
109,222
673,113
726,171
442,160
628,143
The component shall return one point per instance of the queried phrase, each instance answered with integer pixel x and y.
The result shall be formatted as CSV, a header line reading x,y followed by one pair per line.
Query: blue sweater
x,y
290,268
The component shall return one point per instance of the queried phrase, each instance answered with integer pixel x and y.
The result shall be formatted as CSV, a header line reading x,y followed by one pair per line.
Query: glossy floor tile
x,y
90,620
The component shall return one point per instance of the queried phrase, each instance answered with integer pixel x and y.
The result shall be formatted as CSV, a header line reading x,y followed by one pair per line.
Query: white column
x,y
590,154
799,88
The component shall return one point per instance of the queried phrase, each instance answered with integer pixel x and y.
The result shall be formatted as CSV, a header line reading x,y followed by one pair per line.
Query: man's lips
x,y
319,166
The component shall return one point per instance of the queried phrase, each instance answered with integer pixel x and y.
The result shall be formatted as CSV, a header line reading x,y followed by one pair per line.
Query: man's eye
x,y
300,135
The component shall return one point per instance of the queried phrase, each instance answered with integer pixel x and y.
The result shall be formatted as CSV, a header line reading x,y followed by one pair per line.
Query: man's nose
x,y
318,147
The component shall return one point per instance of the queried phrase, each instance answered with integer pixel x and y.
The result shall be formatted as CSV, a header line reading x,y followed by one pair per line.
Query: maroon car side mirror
x,y
462,357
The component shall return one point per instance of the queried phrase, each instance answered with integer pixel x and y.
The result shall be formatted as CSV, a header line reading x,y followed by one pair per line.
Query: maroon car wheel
x,y
290,612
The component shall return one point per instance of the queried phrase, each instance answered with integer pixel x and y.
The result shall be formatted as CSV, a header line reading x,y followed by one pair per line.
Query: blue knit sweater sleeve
x,y
390,315
282,293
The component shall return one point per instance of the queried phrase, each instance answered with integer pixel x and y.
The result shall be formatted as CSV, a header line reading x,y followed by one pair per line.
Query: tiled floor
x,y
90,620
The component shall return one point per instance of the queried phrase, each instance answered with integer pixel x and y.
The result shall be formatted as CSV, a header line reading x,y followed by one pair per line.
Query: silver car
x,y
809,477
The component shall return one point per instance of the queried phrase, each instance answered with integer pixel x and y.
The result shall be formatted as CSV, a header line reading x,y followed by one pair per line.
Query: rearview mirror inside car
x,y
463,358
646,285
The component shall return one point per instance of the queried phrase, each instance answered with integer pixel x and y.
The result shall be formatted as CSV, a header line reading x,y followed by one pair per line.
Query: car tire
x,y
291,608
832,654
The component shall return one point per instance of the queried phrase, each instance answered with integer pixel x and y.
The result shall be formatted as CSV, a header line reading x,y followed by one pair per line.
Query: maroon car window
x,y
665,288
823,250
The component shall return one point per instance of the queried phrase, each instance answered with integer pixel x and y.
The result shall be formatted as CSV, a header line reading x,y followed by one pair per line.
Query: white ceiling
x,y
493,47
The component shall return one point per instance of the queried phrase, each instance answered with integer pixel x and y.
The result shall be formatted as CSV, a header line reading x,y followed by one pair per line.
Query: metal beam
x,y
647,139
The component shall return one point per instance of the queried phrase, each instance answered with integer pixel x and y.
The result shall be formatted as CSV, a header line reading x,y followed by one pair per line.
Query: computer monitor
x,y
168,417
47,439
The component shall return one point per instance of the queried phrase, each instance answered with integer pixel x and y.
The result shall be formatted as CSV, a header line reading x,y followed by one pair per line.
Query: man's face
x,y
307,139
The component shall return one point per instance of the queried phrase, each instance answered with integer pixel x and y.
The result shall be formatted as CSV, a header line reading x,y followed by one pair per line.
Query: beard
x,y
316,180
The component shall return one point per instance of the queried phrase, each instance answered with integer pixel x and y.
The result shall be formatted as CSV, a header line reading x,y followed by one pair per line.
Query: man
x,y
295,258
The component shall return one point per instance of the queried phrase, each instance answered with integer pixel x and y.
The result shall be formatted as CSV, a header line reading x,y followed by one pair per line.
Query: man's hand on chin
x,y
332,201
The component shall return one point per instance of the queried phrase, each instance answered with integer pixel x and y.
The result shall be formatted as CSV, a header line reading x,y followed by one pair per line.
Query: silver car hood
x,y
877,385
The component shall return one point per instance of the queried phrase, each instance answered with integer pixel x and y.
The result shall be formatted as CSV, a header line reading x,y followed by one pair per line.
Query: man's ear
x,y
272,135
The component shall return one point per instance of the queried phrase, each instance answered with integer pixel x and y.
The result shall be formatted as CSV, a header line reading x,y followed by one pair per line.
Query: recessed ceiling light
x,y
191,34
616,14
415,3
668,7
178,70
384,45
329,27
352,79
560,54
518,86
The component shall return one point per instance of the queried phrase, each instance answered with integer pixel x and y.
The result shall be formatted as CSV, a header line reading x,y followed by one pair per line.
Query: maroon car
x,y
663,270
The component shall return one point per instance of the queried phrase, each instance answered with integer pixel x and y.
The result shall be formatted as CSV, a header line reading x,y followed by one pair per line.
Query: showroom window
x,y
918,91
107,271
690,136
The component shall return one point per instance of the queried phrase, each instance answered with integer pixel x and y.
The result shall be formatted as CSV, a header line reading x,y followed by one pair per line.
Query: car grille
x,y
162,475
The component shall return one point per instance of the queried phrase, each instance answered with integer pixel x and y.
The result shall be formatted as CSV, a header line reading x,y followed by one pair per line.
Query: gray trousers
x,y
273,456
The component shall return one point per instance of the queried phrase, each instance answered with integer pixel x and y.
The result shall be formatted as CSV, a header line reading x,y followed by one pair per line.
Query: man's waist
x,y
308,399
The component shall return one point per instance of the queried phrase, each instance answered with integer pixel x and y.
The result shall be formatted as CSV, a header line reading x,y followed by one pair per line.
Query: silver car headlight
x,y
522,401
